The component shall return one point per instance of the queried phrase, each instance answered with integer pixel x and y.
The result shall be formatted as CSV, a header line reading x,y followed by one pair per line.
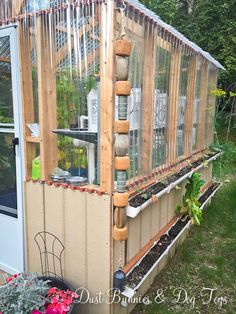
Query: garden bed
x,y
141,200
162,247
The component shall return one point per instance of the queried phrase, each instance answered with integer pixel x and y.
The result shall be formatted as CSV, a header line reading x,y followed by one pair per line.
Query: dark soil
x,y
175,230
208,192
154,189
155,252
145,195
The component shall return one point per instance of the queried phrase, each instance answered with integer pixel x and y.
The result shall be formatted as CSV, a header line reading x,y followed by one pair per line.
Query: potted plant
x,y
30,294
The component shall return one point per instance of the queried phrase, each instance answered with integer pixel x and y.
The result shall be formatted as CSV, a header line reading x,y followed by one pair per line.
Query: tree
x,y
209,23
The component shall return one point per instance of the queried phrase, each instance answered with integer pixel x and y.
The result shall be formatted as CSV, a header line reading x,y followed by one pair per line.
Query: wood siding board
x,y
146,222
134,239
75,204
34,207
98,247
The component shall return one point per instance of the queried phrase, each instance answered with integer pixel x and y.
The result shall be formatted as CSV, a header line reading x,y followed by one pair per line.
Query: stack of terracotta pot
x,y
122,162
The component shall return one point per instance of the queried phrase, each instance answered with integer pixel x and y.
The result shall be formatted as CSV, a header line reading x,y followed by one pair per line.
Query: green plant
x,y
191,206
22,294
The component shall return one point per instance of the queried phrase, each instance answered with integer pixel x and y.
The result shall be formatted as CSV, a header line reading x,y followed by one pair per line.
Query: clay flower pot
x,y
123,88
120,234
122,163
123,47
120,199
122,126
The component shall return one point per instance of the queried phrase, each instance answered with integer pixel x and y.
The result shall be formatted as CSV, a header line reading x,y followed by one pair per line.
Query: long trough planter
x,y
164,186
137,275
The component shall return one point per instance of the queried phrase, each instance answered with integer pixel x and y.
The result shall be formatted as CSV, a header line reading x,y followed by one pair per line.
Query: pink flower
x,y
75,295
36,312
9,279
55,299
52,291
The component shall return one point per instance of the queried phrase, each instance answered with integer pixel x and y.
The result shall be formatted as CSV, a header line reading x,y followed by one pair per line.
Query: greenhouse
x,y
105,113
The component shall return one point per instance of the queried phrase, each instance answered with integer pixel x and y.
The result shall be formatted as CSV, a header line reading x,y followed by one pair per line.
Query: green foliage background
x,y
209,23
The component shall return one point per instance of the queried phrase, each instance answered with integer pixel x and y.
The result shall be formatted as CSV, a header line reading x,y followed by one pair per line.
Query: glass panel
x,y
8,195
6,101
160,107
182,105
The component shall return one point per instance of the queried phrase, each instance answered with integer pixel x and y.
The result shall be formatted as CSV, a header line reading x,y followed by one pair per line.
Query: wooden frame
x,y
173,105
107,102
191,86
148,92
47,101
202,112
47,96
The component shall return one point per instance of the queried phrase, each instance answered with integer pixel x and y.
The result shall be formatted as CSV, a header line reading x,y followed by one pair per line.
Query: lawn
x,y
207,259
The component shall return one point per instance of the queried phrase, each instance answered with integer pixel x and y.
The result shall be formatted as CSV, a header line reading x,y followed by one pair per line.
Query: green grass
x,y
206,259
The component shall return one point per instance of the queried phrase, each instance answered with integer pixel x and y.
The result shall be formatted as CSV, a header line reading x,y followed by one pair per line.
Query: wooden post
x,y
173,105
27,94
202,112
47,98
16,7
190,105
148,97
107,99
211,106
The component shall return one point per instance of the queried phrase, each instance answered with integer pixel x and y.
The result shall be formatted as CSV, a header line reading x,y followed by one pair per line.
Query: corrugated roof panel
x,y
172,30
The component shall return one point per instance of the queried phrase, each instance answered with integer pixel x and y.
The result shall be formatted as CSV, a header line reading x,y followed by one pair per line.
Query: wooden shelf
x,y
32,139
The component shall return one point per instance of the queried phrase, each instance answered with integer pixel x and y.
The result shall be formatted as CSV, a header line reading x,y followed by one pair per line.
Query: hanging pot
x,y
121,180
123,47
122,107
120,218
122,144
123,88
122,68
122,163
122,126
120,234
120,199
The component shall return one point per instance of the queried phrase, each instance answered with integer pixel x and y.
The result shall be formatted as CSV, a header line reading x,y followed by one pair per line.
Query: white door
x,y
11,156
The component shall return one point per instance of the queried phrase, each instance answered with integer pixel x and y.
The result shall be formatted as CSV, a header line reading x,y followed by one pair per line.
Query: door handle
x,y
15,142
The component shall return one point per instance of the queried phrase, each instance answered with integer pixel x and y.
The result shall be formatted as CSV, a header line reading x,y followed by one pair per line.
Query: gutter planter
x,y
164,247
141,200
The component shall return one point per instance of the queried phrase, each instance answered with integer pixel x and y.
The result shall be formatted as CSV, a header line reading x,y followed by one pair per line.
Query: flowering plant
x,y
26,293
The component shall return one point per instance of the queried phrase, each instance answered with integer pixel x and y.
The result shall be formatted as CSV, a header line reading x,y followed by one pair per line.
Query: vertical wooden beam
x,y
107,98
202,112
27,94
173,105
211,107
148,97
16,7
190,105
46,97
